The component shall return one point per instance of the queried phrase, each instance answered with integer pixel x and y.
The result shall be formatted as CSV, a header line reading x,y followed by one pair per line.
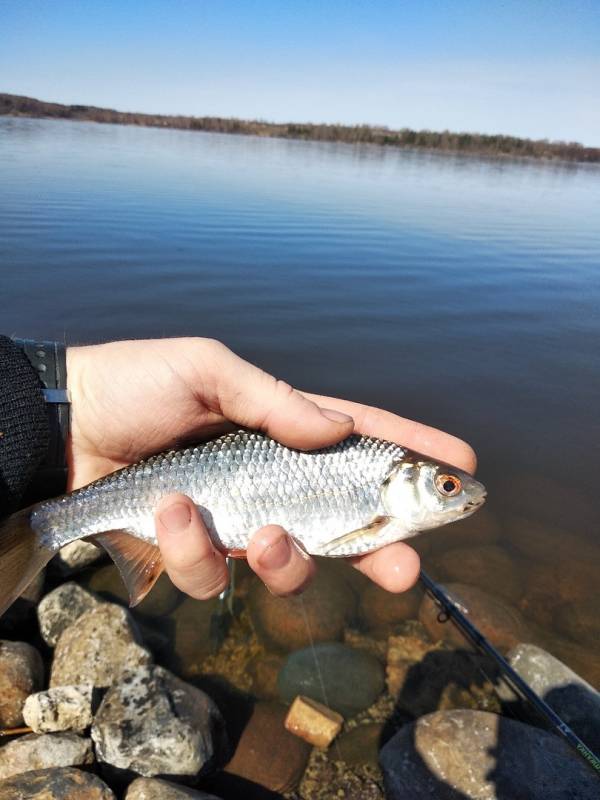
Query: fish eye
x,y
448,485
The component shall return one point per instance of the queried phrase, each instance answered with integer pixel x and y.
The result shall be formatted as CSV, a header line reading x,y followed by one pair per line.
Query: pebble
x,y
490,567
65,708
153,723
380,610
21,673
60,783
107,582
191,636
97,648
267,753
76,556
313,722
573,699
321,612
475,755
41,752
497,620
155,789
60,608
352,679
361,745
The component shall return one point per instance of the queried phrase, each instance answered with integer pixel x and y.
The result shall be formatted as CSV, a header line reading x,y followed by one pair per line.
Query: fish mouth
x,y
472,505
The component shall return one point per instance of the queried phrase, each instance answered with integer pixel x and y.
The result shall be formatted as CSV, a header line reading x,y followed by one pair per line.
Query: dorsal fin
x,y
140,563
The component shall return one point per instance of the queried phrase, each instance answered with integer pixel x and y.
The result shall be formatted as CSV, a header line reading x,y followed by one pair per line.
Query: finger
x,y
394,567
278,561
414,435
255,399
192,562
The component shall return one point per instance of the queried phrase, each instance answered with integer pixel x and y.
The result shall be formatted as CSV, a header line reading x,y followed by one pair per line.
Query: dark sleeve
x,y
24,426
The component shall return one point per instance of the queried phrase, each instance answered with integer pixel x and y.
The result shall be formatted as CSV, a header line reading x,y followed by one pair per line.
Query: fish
x,y
344,500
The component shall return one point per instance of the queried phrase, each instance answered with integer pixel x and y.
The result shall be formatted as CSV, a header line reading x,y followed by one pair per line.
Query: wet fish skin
x,y
244,480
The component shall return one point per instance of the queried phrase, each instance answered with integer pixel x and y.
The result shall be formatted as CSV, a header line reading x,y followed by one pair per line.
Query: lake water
x,y
462,292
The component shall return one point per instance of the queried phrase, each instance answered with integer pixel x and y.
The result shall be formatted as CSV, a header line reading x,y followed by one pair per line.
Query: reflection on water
x,y
461,292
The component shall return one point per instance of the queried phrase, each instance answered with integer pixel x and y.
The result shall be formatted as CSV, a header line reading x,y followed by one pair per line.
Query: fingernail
x,y
277,555
176,518
336,416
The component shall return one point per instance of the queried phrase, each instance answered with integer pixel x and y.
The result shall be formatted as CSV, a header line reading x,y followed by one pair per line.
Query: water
x,y
461,292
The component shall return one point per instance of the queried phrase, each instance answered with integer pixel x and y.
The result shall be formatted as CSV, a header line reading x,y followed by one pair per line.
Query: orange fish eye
x,y
448,485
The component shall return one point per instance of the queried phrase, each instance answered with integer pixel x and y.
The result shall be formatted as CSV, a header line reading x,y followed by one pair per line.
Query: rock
x,y
190,631
573,699
490,567
41,752
480,529
361,745
474,755
97,648
381,610
153,723
21,673
326,778
106,581
500,622
267,754
287,623
402,653
61,607
65,708
76,556
352,679
313,722
155,789
548,543
264,669
579,621
61,783
585,662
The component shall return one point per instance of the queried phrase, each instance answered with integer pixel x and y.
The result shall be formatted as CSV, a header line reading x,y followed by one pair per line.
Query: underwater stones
x,y
60,783
313,722
361,745
475,755
191,631
61,607
106,581
65,708
402,652
490,567
579,621
41,752
352,679
76,556
153,723
573,699
267,753
380,610
264,669
549,543
499,622
321,611
97,648
21,673
155,789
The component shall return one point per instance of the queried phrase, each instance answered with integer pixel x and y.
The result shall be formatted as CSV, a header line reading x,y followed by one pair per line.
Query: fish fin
x,y
374,528
22,556
235,552
140,563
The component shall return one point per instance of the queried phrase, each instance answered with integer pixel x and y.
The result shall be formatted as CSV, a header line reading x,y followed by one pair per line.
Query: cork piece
x,y
313,722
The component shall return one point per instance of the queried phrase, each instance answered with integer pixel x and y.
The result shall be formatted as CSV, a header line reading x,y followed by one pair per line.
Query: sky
x,y
523,67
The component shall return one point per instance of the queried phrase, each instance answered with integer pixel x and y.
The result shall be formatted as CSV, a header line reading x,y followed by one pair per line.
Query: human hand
x,y
132,399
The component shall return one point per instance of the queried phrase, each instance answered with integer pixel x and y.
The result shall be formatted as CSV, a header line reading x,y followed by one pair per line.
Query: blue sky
x,y
529,68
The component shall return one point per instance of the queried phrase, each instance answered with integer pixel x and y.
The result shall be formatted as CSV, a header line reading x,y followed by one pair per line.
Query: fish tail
x,y
22,556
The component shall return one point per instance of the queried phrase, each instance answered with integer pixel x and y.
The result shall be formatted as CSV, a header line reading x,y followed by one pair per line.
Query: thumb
x,y
251,397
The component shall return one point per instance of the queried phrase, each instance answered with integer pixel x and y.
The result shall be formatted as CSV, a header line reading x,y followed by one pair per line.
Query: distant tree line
x,y
468,143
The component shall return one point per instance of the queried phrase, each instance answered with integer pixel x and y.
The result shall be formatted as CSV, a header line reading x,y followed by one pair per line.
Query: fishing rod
x,y
451,611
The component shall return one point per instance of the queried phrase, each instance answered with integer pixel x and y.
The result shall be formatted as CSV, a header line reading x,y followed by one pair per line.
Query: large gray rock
x,y
97,648
41,752
573,699
76,556
155,789
475,755
21,673
60,783
64,708
352,679
155,724
60,608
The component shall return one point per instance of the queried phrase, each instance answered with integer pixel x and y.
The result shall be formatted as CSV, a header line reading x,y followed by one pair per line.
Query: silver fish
x,y
344,500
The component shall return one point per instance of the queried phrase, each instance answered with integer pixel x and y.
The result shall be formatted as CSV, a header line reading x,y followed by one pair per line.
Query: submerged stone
x,y
346,680
61,607
64,708
21,673
60,783
41,752
155,789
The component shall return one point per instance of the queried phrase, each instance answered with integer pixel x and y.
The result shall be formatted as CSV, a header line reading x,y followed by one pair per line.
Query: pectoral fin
x,y
368,533
139,562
